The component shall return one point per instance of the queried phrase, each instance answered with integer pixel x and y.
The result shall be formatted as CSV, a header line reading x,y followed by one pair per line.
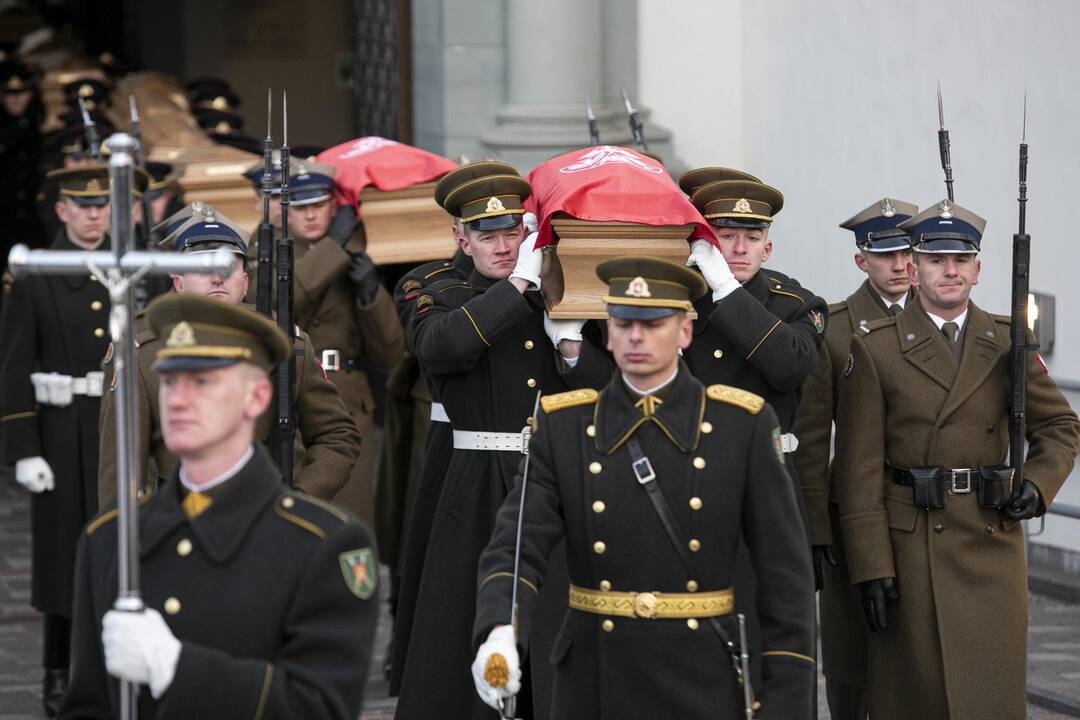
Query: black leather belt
x,y
958,481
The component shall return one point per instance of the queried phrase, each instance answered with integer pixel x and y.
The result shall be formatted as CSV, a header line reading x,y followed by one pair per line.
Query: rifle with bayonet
x,y
594,127
286,372
263,277
635,122
943,146
1018,329
140,160
90,129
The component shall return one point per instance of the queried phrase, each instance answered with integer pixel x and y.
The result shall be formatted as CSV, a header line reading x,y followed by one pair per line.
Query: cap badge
x,y
86,90
638,288
182,335
946,210
14,83
222,128
887,209
743,206
220,103
93,184
494,205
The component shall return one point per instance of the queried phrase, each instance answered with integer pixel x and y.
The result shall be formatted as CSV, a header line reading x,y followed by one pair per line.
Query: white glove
x,y
34,474
530,222
140,648
529,261
500,640
714,267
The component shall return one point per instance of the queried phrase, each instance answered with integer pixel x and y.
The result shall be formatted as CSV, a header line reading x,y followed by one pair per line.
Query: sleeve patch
x,y
778,444
424,301
360,571
818,318
411,285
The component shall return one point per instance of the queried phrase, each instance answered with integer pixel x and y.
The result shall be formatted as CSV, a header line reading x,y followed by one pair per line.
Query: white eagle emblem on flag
x,y
607,154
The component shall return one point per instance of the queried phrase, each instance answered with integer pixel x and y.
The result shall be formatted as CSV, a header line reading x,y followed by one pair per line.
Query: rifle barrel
x,y
286,372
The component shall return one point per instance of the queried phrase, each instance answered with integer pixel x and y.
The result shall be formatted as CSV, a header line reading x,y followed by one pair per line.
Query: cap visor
x,y
495,222
732,222
190,364
90,200
308,198
946,245
887,245
635,312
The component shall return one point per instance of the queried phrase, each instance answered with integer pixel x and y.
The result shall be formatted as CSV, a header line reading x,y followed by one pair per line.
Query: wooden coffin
x,y
215,175
573,292
406,226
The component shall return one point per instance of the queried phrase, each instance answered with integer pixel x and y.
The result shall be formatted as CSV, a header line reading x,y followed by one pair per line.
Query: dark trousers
x,y
57,642
846,702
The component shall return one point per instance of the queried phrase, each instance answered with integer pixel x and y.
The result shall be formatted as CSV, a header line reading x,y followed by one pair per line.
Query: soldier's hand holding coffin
x,y
529,260
363,277
708,258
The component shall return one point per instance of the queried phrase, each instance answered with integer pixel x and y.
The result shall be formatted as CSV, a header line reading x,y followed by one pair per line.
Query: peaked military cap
x,y
170,224
200,333
469,171
876,228
215,99
15,77
645,288
309,182
219,122
161,177
90,90
738,203
945,227
492,202
692,180
206,230
89,184
254,172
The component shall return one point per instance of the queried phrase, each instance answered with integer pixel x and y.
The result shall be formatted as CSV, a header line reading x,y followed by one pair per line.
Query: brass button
x,y
605,585
531,382
528,344
96,305
172,606
591,431
691,585
694,545
990,529
718,353
183,548
599,547
93,278
608,625
695,503
939,529
692,623
288,502
98,332
699,463
706,427
598,506
595,467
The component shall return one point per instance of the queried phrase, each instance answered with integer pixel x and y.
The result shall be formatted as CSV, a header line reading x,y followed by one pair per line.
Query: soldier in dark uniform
x,y
883,254
628,477
21,113
260,601
55,335
328,439
487,348
929,513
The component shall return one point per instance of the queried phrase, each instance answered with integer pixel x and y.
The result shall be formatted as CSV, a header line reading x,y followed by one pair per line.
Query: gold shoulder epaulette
x,y
561,401
310,513
745,399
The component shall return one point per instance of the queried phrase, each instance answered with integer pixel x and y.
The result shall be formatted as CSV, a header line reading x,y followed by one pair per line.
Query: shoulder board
x,y
788,290
106,517
745,399
443,267
317,517
779,277
444,288
561,401
144,336
1003,319
878,324
837,307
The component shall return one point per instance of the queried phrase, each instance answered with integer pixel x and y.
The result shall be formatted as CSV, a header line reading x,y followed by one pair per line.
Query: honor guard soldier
x,y
350,316
55,331
488,348
260,601
927,509
21,114
628,476
328,442
884,252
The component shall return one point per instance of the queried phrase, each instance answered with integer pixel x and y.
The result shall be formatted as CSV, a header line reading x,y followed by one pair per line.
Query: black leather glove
x,y
343,224
822,554
874,594
363,277
1024,504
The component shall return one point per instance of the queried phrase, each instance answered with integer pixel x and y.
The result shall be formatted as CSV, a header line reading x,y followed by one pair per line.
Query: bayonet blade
x,y
626,101
589,114
269,103
940,109
87,120
134,109
1023,135
285,118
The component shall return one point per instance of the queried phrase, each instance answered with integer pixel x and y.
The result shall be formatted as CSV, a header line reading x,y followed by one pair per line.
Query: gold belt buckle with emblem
x,y
645,605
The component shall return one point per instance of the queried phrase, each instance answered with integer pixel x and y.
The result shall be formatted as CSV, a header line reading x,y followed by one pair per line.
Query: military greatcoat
x,y
955,642
721,473
273,595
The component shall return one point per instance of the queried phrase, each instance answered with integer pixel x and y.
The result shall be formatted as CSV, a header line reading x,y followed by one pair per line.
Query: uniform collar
x,y
619,413
220,530
758,286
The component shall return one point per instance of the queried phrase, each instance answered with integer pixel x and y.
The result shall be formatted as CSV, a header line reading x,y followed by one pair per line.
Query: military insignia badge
x,y
850,367
778,444
494,205
742,206
93,184
182,335
423,301
638,288
886,208
411,285
946,210
360,572
86,91
818,319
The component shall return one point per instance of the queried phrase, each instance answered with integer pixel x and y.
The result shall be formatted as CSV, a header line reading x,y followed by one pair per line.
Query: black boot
x,y
56,684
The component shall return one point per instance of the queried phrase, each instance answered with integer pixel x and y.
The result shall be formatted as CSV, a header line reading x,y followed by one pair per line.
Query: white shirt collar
x,y
940,321
220,478
656,389
902,302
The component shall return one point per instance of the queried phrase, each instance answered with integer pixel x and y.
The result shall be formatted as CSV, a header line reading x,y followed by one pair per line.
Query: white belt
x,y
478,440
789,443
58,390
438,413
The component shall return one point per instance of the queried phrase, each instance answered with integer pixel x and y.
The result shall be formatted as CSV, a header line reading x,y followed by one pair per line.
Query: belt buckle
x,y
958,486
331,360
643,470
645,604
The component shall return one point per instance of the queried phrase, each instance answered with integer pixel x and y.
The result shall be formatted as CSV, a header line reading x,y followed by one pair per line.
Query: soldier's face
x,y
204,412
311,222
887,272
745,249
86,224
231,289
15,104
944,279
494,252
648,350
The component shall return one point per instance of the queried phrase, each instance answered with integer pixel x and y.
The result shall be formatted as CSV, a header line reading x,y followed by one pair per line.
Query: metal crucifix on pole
x,y
119,270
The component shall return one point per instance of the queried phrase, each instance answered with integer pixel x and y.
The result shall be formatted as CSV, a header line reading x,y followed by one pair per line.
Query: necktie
x,y
951,330
895,309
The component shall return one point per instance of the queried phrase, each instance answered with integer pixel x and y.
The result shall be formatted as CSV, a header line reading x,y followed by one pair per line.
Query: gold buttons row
x,y
608,624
